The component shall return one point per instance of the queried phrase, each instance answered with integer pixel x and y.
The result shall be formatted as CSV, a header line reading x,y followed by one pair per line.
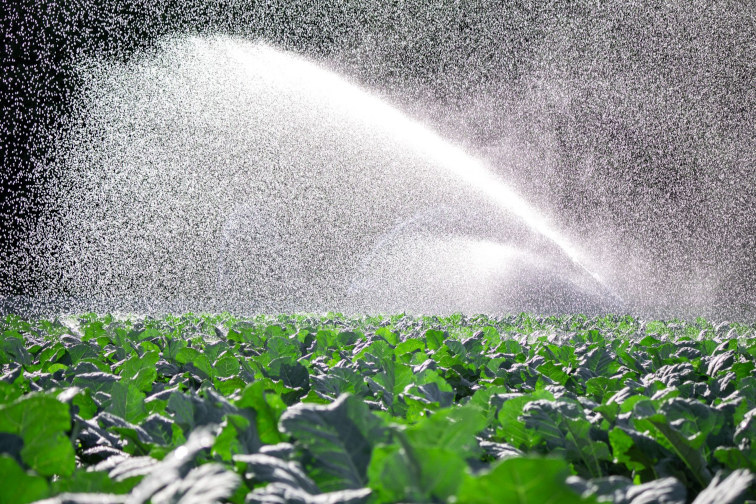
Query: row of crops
x,y
334,410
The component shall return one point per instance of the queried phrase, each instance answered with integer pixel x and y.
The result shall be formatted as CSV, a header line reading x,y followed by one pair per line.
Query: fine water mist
x,y
221,174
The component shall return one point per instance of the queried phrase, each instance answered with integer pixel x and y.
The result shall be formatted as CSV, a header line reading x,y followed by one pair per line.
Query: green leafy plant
x,y
333,409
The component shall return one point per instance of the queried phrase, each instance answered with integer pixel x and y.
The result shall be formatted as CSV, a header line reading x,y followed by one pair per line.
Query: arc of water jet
x,y
403,128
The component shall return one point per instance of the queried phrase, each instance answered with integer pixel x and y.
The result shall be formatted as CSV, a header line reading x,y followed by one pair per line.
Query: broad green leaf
x,y
159,428
619,489
95,382
646,419
408,346
339,381
378,351
214,350
85,405
227,443
227,386
313,398
326,340
554,371
140,371
127,402
12,333
565,431
16,351
510,427
339,437
431,389
228,365
183,410
42,422
435,339
283,346
638,452
745,432
391,337
735,458
290,372
81,351
348,338
414,474
391,382
429,461
9,392
173,347
19,487
94,330
483,399
268,407
600,386
51,355
743,369
509,346
274,331
693,418
189,355
451,429
524,480
600,362
82,481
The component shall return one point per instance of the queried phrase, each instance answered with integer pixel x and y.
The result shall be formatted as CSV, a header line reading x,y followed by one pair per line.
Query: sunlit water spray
x,y
223,174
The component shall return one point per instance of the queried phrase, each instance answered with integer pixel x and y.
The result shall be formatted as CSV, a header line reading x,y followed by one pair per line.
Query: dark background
x,y
630,124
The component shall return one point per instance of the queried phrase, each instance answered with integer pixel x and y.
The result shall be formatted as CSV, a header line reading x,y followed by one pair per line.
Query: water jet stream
x,y
416,135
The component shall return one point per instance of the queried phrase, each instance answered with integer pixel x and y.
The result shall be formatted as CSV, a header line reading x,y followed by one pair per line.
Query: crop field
x,y
335,409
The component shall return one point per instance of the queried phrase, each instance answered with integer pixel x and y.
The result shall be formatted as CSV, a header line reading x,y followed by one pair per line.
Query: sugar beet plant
x,y
329,410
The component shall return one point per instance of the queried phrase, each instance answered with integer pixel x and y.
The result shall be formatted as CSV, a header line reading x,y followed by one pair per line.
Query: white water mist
x,y
217,173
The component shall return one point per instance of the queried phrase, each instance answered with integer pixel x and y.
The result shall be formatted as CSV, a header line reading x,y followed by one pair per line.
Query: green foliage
x,y
376,409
